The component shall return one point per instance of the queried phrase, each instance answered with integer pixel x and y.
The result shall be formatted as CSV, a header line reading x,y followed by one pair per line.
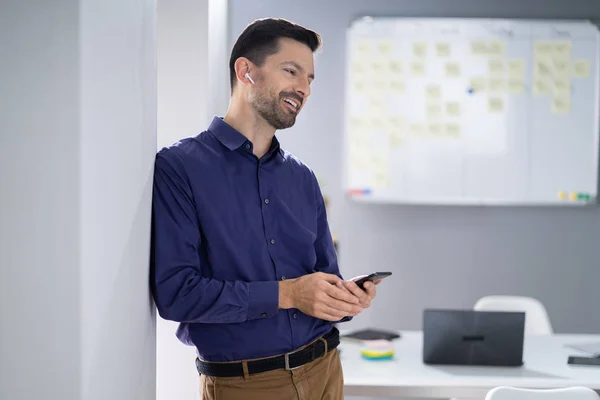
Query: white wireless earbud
x,y
248,76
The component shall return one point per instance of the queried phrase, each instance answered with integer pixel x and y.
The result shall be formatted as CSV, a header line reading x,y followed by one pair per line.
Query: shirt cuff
x,y
264,299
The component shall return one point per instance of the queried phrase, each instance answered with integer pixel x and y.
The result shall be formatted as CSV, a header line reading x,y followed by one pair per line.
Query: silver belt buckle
x,y
286,358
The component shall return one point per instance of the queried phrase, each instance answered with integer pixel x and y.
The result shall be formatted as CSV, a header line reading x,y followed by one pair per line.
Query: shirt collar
x,y
226,134
232,138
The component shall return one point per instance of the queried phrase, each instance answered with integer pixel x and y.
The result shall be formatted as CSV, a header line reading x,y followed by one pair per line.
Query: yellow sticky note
x,y
442,49
542,48
420,49
376,106
380,180
495,105
543,68
561,104
541,87
396,67
377,123
359,67
433,92
357,124
377,67
362,49
359,141
496,48
581,68
561,47
573,196
397,86
417,129
479,47
561,66
359,86
478,84
453,109
417,68
434,129
516,68
495,66
452,70
385,47
433,110
395,122
515,86
496,85
561,86
354,122
396,140
453,129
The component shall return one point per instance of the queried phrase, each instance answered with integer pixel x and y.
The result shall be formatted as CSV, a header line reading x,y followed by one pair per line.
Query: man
x,y
242,253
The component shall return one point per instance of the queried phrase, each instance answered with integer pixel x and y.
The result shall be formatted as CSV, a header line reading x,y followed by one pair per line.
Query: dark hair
x,y
260,39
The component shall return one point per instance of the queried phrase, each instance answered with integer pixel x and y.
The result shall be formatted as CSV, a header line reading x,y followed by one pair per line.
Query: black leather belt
x,y
286,361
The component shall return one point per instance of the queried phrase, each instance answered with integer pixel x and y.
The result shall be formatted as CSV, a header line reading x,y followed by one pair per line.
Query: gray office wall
x,y
77,148
440,256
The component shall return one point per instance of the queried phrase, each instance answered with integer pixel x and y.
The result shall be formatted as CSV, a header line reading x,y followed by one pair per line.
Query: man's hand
x,y
319,295
364,296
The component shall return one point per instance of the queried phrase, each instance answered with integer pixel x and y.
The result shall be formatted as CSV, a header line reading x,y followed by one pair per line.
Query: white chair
x,y
572,393
537,321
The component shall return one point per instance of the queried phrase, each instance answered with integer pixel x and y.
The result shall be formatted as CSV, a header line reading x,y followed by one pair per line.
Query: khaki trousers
x,y
321,379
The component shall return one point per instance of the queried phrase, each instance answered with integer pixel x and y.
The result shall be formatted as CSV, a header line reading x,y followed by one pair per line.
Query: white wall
x,y
77,144
182,56
118,144
39,201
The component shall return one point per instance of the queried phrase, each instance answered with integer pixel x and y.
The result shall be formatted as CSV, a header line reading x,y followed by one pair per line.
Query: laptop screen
x,y
468,337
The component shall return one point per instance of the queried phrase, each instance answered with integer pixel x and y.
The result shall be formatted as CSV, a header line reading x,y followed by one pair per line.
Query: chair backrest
x,y
572,393
537,321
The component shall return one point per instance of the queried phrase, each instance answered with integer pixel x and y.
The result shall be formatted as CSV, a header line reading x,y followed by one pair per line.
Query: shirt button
x,y
272,241
248,145
263,315
266,201
283,278
295,316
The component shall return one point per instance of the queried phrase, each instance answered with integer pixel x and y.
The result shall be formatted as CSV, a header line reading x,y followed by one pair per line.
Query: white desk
x,y
544,357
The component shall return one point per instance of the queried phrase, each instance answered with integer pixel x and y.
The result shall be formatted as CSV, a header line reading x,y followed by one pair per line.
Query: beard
x,y
271,110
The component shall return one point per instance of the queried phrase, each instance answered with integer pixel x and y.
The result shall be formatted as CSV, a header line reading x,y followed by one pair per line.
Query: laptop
x,y
468,337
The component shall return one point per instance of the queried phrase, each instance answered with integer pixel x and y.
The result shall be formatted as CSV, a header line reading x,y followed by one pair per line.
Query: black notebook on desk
x,y
371,334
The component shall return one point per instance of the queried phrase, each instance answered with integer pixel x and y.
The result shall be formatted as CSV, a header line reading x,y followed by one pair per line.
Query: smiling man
x,y
242,254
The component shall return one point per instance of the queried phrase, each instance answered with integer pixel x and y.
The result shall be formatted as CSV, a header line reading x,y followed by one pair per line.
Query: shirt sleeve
x,y
180,290
327,260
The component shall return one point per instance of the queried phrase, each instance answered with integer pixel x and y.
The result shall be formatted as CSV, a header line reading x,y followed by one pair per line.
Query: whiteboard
x,y
471,111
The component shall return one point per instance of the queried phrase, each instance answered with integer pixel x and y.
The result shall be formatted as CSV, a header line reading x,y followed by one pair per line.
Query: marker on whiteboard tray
x,y
354,192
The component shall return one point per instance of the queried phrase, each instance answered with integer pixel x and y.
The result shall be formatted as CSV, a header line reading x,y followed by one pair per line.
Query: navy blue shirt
x,y
227,227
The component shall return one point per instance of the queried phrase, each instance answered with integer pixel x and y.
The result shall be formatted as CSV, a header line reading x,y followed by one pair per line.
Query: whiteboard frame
x,y
465,201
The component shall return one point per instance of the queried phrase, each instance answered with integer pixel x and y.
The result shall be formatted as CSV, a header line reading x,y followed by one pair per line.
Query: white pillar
x,y
219,51
193,86
77,145
182,46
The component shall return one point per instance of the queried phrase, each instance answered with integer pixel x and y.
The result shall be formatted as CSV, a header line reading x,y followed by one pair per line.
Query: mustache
x,y
291,95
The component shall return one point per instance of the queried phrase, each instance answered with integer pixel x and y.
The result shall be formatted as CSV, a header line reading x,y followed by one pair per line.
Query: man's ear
x,y
243,70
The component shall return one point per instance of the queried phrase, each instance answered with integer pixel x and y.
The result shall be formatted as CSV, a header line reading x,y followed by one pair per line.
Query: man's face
x,y
283,84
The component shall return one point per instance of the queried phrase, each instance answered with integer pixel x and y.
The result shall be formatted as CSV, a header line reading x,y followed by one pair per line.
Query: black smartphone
x,y
374,277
